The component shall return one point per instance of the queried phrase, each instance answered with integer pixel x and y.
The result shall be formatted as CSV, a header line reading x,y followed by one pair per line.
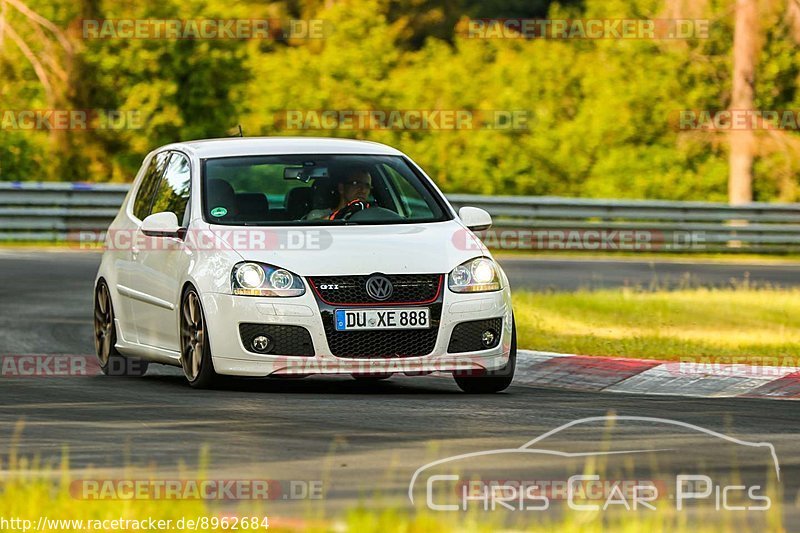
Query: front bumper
x,y
224,313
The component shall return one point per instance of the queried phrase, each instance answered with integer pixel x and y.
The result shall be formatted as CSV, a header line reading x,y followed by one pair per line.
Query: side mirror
x,y
162,225
474,218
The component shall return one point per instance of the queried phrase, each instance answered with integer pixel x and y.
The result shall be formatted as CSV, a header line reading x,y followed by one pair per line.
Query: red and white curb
x,y
646,376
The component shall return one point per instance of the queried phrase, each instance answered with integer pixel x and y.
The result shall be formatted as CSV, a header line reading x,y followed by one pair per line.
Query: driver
x,y
354,188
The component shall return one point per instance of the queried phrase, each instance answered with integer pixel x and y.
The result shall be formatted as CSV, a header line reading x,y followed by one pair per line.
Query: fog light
x,y
488,337
262,344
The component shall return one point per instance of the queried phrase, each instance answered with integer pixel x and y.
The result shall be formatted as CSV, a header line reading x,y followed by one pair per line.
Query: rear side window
x,y
144,196
173,192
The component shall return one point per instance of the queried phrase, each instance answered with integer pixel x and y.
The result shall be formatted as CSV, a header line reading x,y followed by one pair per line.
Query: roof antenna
x,y
241,134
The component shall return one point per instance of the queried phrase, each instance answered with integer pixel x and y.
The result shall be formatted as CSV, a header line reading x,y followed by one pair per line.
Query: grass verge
x,y
670,325
61,246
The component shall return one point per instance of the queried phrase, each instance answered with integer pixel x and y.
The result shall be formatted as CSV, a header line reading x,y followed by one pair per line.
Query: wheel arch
x,y
188,284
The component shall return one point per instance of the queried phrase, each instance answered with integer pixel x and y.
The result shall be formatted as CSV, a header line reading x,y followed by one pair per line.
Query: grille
x,y
466,336
288,340
383,344
419,288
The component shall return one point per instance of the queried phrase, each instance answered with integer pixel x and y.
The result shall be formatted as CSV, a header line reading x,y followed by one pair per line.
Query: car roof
x,y
245,146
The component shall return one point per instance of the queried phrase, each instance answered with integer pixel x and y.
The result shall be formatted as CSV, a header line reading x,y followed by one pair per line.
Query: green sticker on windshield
x,y
219,212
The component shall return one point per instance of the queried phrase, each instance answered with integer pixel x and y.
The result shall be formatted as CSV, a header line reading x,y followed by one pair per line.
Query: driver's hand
x,y
347,211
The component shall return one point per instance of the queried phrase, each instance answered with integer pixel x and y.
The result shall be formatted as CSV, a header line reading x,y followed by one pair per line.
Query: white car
x,y
287,257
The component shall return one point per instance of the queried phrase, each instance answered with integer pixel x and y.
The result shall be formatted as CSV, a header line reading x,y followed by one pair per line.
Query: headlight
x,y
256,279
476,275
249,276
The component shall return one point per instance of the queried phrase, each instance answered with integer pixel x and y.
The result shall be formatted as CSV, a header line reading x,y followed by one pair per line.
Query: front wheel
x,y
499,380
195,349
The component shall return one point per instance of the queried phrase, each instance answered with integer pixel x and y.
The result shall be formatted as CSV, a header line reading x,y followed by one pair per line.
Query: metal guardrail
x,y
555,223
37,211
56,211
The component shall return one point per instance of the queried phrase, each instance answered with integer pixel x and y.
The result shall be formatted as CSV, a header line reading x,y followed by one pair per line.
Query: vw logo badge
x,y
379,288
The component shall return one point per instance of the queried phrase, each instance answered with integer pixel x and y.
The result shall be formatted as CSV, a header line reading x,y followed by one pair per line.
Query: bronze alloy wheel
x,y
103,325
195,352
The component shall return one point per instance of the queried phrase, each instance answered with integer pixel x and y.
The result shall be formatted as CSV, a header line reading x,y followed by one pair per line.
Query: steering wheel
x,y
375,214
350,209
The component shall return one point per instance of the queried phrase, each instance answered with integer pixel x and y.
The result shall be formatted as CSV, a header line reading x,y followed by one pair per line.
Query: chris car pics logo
x,y
467,482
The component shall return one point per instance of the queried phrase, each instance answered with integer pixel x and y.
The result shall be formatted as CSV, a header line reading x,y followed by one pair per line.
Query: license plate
x,y
364,319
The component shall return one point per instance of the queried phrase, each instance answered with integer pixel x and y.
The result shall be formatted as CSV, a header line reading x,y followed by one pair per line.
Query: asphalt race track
x,y
357,439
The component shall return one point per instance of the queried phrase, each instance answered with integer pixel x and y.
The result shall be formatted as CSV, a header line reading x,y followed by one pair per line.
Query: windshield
x,y
317,189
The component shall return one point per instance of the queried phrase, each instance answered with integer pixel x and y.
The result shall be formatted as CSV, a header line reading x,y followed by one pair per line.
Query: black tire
x,y
112,363
497,380
198,367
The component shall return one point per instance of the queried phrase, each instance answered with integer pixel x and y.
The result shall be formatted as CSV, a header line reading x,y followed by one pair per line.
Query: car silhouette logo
x,y
532,446
379,288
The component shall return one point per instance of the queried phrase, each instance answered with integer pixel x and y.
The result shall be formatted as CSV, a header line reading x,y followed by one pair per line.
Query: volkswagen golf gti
x,y
290,257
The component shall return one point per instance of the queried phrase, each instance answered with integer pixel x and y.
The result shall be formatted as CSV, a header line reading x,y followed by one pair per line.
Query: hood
x,y
433,248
